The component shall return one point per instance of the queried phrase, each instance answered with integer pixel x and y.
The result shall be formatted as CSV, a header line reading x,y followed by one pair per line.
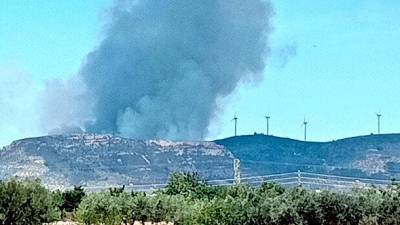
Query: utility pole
x,y
298,178
267,117
379,122
236,170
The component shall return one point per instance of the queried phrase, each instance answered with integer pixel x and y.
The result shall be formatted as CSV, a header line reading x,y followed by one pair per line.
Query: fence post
x,y
298,178
236,170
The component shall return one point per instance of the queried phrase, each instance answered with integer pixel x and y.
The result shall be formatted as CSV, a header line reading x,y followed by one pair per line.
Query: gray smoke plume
x,y
163,64
66,105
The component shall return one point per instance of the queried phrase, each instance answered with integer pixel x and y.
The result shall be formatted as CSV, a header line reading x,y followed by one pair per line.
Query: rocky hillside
x,y
366,156
98,160
102,160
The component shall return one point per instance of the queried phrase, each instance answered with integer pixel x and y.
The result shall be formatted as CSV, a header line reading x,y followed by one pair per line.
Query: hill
x,y
365,156
103,160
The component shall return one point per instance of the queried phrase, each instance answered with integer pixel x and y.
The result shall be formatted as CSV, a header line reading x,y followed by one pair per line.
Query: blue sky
x,y
49,38
346,69
344,66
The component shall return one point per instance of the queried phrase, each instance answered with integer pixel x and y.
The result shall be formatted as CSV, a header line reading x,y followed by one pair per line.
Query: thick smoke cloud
x,y
162,65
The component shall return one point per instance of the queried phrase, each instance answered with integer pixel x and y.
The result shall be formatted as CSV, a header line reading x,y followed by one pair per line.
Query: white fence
x,y
318,181
314,181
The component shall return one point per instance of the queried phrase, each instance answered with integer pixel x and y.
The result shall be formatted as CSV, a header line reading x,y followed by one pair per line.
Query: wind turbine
x,y
267,117
378,115
305,123
235,119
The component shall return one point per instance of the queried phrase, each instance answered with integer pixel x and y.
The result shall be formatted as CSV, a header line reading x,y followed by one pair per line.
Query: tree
x,y
189,185
116,191
26,202
72,198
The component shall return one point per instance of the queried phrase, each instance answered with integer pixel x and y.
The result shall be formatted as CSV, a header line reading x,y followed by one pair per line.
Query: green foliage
x,y
188,185
72,198
304,204
271,189
116,191
104,208
189,201
26,202
389,211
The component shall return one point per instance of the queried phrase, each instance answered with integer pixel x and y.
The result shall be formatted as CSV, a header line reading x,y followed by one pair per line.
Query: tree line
x,y
188,200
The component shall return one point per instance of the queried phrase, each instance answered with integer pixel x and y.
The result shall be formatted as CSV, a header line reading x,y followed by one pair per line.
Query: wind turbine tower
x,y
235,118
379,122
305,123
267,117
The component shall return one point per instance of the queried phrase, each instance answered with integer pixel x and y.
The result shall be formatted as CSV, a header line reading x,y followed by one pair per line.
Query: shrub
x,y
26,202
271,189
189,201
104,208
72,198
189,185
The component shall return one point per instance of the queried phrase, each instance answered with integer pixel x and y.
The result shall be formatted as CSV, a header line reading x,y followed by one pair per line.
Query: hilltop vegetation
x,y
188,200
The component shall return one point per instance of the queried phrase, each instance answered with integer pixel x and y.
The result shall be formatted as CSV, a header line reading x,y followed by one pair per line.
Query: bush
x,y
71,199
389,211
189,201
105,208
26,202
271,189
189,185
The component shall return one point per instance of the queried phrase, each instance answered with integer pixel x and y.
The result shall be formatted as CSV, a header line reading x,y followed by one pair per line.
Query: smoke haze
x,y
162,66
18,104
66,106
284,54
